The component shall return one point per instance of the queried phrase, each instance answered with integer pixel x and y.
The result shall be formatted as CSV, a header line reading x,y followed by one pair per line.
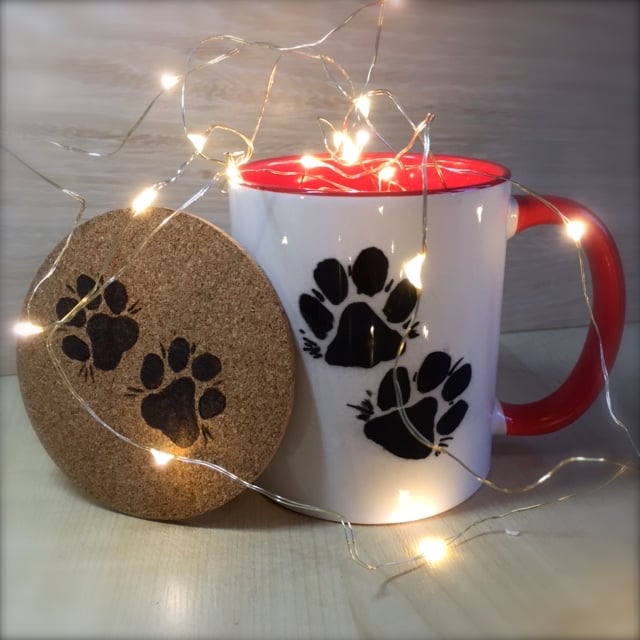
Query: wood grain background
x,y
548,88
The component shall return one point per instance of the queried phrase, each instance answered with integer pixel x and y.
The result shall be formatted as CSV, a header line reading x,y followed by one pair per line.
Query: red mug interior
x,y
373,174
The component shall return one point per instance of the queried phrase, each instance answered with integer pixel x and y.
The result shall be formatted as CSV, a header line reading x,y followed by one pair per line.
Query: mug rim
x,y
470,174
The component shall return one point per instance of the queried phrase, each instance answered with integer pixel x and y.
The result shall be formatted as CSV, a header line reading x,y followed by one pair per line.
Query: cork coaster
x,y
188,352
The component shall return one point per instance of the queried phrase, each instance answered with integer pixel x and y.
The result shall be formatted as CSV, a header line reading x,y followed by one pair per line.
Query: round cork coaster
x,y
187,352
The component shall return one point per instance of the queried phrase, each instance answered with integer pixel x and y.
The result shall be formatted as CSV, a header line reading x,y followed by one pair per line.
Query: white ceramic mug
x,y
337,243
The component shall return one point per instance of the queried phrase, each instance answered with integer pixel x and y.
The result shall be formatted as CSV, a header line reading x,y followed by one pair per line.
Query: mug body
x,y
348,267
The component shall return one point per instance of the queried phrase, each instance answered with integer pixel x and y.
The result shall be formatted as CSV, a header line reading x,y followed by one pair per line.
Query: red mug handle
x,y
574,396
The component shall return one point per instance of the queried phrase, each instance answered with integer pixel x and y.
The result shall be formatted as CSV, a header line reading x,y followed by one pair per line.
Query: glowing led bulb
x,y
309,162
412,269
350,152
433,549
26,329
387,172
349,148
143,200
576,229
168,81
363,105
197,140
161,458
232,172
362,137
338,139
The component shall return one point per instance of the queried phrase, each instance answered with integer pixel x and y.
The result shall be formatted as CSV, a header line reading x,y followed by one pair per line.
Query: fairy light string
x,y
356,119
95,154
304,50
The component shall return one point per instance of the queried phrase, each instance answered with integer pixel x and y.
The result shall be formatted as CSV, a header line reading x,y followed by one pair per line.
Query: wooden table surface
x,y
73,569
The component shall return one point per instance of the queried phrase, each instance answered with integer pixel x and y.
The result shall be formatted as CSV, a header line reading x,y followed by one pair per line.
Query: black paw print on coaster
x,y
174,410
108,333
436,416
362,337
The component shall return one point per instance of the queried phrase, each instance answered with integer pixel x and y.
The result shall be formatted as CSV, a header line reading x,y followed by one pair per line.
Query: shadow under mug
x,y
342,247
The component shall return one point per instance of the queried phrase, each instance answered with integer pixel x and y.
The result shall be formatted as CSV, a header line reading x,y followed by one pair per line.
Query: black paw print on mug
x,y
362,337
436,414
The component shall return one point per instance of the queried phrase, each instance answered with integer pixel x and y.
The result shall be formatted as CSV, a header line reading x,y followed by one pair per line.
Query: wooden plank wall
x,y
548,88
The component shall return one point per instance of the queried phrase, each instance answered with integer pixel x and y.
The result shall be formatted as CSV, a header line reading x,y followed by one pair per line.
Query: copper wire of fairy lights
x,y
342,144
